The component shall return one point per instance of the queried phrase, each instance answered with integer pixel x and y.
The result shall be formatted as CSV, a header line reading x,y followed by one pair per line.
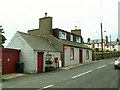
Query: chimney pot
x,y
75,27
45,14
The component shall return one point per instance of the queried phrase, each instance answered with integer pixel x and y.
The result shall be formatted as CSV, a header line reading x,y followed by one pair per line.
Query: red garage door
x,y
40,62
9,59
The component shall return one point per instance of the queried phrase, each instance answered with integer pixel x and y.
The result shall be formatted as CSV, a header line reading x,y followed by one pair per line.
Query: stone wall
x,y
105,55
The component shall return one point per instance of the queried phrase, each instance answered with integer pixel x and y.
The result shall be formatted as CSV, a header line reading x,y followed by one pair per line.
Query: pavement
x,y
11,76
77,65
15,75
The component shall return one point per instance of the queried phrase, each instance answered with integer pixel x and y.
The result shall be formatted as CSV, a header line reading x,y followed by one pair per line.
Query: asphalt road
x,y
96,75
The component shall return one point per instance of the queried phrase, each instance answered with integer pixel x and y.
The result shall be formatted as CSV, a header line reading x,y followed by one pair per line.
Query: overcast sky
x,y
23,15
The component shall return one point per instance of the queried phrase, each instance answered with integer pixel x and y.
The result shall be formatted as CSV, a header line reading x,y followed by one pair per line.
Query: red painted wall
x,y
9,59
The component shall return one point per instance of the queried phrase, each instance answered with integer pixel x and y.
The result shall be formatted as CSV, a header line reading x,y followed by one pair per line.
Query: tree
x,y
2,37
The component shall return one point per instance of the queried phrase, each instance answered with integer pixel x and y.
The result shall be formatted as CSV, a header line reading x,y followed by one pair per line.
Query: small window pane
x,y
71,37
78,39
62,35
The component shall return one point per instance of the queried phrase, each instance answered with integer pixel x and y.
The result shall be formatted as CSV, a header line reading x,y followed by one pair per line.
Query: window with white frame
x,y
71,37
62,35
78,39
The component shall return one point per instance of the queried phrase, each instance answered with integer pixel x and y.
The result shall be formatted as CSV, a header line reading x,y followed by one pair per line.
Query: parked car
x,y
117,63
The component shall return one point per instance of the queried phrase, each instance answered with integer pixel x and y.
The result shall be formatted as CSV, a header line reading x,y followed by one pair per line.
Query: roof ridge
x,y
31,34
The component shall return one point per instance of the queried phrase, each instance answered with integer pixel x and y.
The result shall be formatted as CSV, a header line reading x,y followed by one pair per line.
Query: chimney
x,y
45,26
76,31
45,14
106,39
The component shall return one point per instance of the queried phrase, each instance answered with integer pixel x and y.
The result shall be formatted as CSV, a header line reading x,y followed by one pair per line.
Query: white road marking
x,y
112,63
101,66
82,74
48,86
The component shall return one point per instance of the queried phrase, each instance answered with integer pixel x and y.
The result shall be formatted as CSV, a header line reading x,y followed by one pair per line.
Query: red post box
x,y
56,59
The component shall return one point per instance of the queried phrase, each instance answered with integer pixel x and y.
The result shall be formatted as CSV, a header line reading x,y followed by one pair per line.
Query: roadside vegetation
x,y
97,54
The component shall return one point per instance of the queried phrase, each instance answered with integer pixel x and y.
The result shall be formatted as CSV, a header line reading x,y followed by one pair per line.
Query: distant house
x,y
47,47
113,46
96,43
110,46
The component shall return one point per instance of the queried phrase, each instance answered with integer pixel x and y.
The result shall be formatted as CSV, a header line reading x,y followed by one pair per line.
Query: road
x,y
96,75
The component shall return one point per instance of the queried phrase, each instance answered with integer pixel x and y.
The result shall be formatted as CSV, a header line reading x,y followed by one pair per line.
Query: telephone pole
x,y
101,41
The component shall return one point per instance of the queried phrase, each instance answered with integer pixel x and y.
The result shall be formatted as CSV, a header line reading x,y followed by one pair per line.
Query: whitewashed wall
x,y
90,55
84,55
26,54
67,56
117,47
54,54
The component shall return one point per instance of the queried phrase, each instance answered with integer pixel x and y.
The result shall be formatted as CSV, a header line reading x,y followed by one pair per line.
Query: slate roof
x,y
38,43
113,43
96,41
70,43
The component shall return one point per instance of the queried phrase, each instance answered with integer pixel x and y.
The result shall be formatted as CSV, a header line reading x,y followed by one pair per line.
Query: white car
x,y
117,63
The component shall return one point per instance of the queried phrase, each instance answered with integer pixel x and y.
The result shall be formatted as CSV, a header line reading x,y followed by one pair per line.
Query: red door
x,y
80,60
40,62
9,59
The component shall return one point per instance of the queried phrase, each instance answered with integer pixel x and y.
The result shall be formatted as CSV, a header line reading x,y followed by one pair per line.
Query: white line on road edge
x,y
82,74
101,66
47,86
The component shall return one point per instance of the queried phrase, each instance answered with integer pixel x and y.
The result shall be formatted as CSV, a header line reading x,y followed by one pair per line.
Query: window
x,y
107,46
113,46
87,54
71,37
62,35
71,53
98,45
93,45
78,39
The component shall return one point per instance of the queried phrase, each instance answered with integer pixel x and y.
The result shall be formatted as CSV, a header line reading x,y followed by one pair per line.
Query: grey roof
x,y
70,43
113,43
38,43
96,41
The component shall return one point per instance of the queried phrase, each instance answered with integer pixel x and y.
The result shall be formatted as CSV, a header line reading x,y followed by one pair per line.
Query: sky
x,y
23,15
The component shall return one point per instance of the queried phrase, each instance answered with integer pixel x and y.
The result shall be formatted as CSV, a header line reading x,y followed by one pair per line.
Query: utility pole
x,y
101,41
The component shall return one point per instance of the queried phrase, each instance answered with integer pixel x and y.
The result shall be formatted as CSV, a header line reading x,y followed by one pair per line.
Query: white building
x,y
110,46
40,48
